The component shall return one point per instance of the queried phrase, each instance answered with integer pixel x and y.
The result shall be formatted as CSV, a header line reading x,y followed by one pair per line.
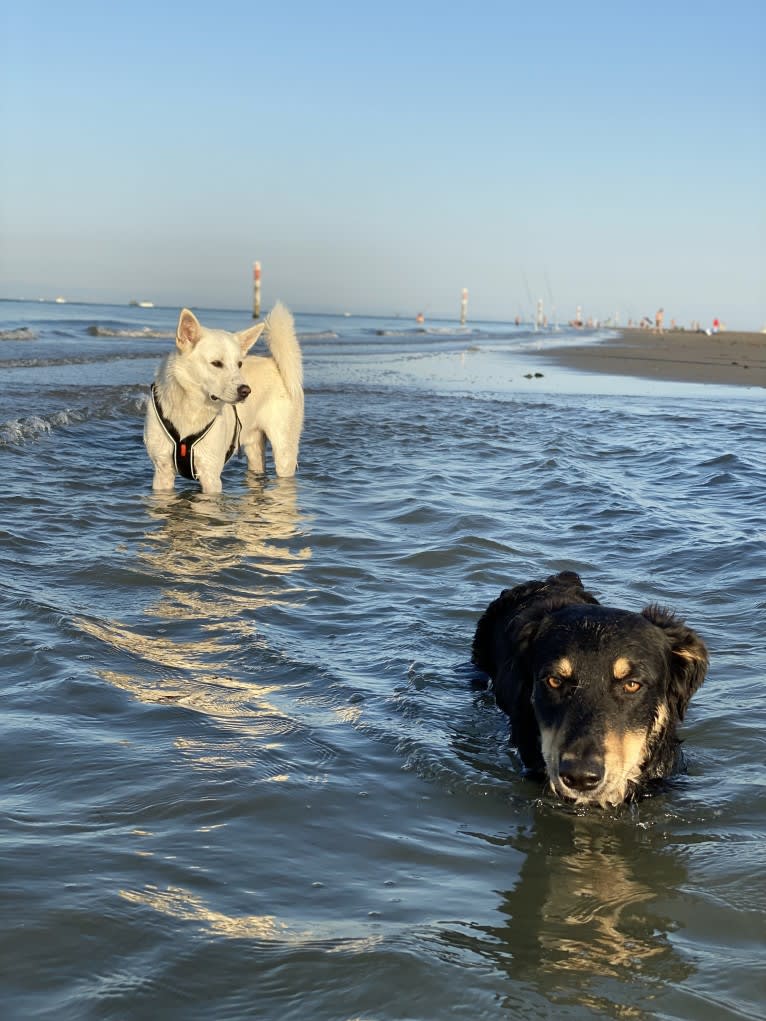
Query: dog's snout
x,y
242,391
581,774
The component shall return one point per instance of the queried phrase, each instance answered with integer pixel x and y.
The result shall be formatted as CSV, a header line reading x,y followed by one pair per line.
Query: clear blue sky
x,y
378,157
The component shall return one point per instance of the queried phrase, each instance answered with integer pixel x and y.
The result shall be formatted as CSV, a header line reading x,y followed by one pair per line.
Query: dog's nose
x,y
242,391
581,774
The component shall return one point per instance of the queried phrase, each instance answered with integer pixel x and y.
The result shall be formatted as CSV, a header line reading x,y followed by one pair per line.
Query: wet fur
x,y
206,375
563,668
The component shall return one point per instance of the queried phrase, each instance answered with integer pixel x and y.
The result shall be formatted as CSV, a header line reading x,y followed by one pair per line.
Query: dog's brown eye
x,y
553,682
217,365
631,687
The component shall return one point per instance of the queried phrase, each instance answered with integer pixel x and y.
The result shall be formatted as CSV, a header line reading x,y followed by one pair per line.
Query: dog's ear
x,y
688,657
511,622
188,330
527,634
247,338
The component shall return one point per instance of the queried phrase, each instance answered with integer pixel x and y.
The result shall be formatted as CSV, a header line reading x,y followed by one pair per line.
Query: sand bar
x,y
729,358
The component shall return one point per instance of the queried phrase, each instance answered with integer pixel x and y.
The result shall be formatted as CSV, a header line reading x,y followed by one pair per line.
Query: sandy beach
x,y
737,359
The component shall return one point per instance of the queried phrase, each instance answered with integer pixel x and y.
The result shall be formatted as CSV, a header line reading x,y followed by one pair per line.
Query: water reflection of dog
x,y
216,561
581,923
200,544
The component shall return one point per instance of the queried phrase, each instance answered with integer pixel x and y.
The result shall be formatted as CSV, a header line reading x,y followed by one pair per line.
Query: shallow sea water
x,y
246,771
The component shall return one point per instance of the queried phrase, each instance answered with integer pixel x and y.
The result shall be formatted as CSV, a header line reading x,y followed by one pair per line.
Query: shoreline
x,y
729,358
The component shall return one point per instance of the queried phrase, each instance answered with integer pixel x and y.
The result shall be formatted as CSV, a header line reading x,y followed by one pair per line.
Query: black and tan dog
x,y
593,693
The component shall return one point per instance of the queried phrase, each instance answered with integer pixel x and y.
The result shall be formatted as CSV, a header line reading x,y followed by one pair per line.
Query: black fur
x,y
605,687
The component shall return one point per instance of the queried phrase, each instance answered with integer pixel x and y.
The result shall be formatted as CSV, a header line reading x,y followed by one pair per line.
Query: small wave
x,y
458,332
414,331
117,355
24,333
325,335
113,403
146,331
21,430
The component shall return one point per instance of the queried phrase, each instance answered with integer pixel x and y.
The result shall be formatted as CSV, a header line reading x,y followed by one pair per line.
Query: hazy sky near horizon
x,y
380,157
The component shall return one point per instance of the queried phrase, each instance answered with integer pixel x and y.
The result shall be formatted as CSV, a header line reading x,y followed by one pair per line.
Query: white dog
x,y
208,400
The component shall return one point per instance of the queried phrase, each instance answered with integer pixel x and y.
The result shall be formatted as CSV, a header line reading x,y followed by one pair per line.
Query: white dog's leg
x,y
284,434
285,453
210,482
164,476
255,450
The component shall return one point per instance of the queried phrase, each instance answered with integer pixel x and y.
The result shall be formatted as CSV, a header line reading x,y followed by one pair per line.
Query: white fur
x,y
199,382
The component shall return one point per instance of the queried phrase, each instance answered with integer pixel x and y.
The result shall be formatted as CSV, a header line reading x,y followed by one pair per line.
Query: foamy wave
x,y
326,335
24,333
21,430
116,403
146,331
449,331
399,333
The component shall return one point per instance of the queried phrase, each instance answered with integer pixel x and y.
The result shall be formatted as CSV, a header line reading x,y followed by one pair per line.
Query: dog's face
x,y
210,361
608,687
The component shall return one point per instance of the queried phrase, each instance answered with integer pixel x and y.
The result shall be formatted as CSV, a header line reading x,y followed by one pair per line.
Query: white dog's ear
x,y
248,337
188,330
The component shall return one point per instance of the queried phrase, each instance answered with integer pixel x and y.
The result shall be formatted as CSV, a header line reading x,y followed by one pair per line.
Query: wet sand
x,y
737,359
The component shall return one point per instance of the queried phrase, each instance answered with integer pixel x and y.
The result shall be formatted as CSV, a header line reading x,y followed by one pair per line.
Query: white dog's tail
x,y
285,349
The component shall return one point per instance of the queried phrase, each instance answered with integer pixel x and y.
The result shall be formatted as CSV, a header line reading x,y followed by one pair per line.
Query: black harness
x,y
183,447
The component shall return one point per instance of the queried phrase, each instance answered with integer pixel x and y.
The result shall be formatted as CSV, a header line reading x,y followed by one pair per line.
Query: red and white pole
x,y
256,290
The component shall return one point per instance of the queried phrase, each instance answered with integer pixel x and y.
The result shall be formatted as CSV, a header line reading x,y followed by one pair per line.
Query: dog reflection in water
x,y
217,564
594,694
584,922
198,540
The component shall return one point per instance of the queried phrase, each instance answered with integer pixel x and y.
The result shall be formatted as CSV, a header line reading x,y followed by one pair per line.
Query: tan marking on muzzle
x,y
624,755
550,746
621,668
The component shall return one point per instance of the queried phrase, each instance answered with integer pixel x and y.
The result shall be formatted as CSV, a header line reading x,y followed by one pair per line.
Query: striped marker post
x,y
256,290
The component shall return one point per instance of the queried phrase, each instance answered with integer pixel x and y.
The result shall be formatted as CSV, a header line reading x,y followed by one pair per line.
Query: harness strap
x,y
183,447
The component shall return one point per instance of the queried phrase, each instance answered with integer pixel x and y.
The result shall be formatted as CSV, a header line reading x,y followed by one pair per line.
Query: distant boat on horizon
x,y
60,301
141,304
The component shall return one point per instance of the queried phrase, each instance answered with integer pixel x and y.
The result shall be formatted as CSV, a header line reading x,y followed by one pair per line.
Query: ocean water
x,y
246,772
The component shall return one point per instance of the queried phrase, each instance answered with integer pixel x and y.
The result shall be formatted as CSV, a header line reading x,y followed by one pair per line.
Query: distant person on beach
x,y
716,325
659,318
